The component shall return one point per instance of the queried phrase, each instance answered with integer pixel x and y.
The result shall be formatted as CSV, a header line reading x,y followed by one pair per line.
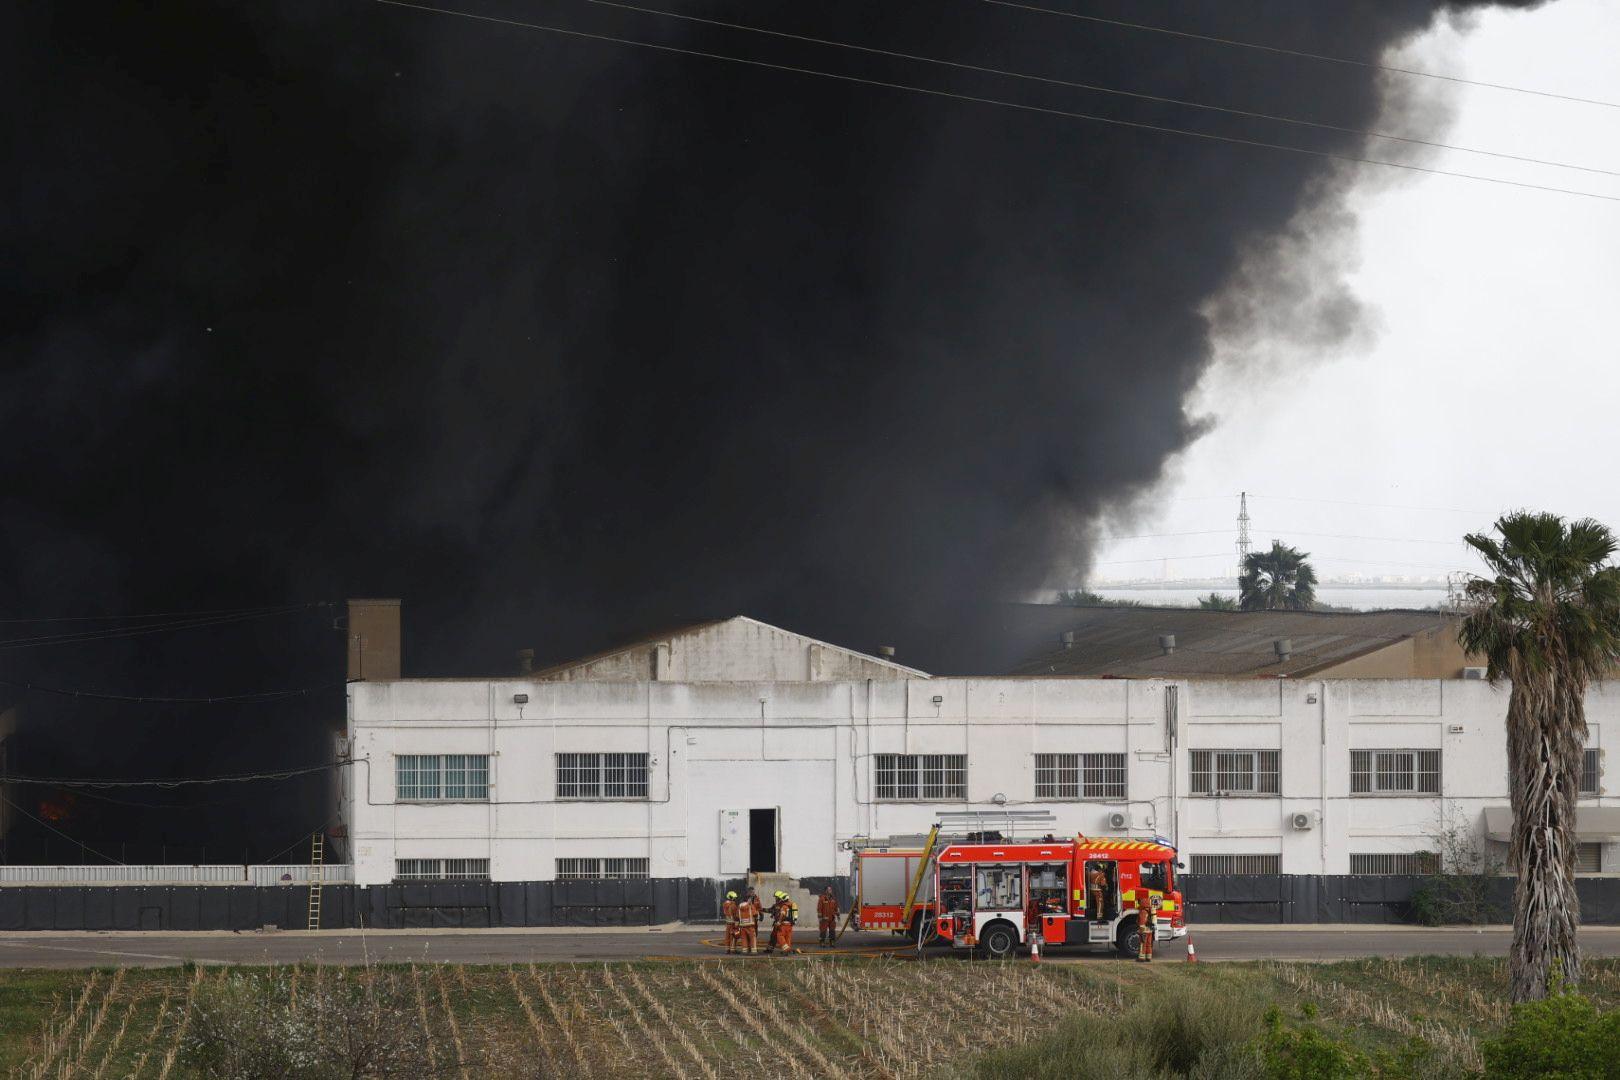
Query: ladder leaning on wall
x,y
317,856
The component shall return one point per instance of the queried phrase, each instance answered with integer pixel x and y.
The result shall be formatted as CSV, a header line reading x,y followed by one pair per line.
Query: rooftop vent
x,y
1068,639
1167,642
1284,648
525,661
886,651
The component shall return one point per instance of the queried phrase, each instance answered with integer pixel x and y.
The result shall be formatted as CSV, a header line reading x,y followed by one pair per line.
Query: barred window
x,y
602,869
1235,864
1394,772
1591,771
1394,862
602,776
441,777
1235,772
1080,776
1589,858
934,777
441,869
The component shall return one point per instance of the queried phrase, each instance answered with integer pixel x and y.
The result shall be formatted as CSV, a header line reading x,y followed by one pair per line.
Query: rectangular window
x,y
1235,864
1080,776
1394,772
602,869
931,777
1591,771
1589,858
1235,772
441,778
1395,862
601,776
441,869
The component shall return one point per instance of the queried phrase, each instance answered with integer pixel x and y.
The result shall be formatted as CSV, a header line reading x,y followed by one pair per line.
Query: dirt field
x,y
877,1018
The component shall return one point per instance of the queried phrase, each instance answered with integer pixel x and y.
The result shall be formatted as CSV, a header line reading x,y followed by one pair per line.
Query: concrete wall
x,y
807,747
736,649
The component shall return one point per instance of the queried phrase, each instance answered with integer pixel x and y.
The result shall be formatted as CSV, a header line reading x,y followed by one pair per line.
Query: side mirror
x,y
1181,866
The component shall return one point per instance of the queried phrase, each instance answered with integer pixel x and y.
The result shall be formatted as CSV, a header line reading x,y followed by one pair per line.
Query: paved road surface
x,y
68,950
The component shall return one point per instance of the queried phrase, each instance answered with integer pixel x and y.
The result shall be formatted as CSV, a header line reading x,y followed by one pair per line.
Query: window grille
x,y
603,869
1235,772
601,776
441,869
1235,864
1591,771
1589,858
933,777
1395,772
441,778
1395,862
1080,776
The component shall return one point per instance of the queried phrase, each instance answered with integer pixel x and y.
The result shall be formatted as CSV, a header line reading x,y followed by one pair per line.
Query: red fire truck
x,y
994,897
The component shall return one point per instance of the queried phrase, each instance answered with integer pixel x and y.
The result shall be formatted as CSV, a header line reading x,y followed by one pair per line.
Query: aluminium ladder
x,y
317,855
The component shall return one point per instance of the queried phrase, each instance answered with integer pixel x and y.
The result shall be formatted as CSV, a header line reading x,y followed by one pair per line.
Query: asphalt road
x,y
84,949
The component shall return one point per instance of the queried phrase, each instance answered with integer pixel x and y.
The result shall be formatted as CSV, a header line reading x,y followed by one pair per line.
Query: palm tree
x,y
1548,620
1277,579
1216,602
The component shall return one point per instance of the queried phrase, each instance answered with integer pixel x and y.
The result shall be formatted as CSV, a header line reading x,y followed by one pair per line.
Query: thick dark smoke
x,y
559,339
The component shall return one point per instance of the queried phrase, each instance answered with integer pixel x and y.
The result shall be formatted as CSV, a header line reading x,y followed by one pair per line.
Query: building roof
x,y
736,636
1123,642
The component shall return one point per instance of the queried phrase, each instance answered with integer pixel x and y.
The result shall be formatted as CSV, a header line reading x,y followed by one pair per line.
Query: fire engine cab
x,y
995,897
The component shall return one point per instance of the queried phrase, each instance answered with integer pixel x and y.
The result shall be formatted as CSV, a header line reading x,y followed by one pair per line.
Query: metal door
x,y
733,842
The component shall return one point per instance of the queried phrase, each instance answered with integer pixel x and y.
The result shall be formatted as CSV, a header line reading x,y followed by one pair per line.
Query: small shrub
x,y
1564,1035
1309,1054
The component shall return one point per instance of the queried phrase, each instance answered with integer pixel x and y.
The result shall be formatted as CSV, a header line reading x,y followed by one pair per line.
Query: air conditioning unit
x,y
1117,820
1473,673
1302,821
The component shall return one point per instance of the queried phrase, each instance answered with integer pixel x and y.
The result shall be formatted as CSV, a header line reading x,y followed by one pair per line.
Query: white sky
x,y
1490,380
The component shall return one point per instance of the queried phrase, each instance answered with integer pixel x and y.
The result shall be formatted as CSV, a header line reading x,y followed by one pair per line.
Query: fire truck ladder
x,y
926,929
317,856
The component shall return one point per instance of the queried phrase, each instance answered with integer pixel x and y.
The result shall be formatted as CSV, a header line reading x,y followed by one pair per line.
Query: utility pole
x,y
1243,530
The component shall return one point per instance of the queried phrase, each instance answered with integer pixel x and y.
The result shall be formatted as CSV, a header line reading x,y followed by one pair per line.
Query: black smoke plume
x,y
560,339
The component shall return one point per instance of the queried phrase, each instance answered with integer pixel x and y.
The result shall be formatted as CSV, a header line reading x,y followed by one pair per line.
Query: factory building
x,y
731,746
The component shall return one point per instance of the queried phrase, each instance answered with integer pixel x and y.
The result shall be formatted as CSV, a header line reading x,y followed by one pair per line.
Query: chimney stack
x,y
886,651
1068,639
373,644
1167,642
525,661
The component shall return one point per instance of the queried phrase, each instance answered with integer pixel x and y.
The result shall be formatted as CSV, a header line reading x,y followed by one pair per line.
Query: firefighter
x,y
752,895
1147,924
733,926
1096,888
783,915
747,923
827,916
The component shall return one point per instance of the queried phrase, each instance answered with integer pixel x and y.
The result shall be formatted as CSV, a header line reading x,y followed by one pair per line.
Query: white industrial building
x,y
733,745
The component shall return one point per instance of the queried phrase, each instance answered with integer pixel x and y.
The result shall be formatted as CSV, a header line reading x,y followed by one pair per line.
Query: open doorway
x,y
762,841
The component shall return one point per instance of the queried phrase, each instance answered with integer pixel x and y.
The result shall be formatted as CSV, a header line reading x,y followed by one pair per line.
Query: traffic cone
x,y
1192,953
1035,950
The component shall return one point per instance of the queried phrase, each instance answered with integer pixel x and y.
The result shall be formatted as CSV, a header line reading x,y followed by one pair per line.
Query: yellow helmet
x,y
731,896
780,895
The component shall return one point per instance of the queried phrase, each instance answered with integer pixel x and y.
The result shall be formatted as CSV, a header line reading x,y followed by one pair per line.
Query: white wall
x,y
807,747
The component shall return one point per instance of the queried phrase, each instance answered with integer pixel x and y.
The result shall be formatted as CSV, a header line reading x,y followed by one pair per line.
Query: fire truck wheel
x,y
998,941
1129,940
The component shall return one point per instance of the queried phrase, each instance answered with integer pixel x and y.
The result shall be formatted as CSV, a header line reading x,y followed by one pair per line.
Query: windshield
x,y
1156,876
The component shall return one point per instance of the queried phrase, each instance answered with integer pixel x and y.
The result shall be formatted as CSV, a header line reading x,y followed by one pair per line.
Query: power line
x,y
171,782
38,821
1280,51
115,632
1289,532
252,697
155,614
1376,506
1095,88
1038,109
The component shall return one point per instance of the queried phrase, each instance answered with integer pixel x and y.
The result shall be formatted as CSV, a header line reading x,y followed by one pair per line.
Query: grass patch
x,y
1431,1017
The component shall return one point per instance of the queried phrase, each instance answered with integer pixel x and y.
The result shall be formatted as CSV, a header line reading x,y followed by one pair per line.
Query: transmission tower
x,y
1243,530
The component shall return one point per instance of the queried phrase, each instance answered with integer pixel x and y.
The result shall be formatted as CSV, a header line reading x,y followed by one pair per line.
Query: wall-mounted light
x,y
939,699
520,699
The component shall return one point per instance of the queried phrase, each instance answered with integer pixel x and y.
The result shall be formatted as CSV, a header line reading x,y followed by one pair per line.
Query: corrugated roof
x,y
1123,642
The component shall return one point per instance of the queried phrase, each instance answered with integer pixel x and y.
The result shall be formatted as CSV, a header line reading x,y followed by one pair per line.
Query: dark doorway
x,y
762,840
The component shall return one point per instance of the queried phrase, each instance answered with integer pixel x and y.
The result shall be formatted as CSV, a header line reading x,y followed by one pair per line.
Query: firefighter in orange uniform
x,y
1147,923
733,927
747,923
827,916
783,914
1096,885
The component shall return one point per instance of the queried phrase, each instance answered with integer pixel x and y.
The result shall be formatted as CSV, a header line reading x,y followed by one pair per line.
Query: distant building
x,y
1191,643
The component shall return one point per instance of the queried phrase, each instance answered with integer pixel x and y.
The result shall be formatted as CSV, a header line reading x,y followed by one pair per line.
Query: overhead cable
x,y
114,632
1280,51
156,614
59,832
1021,107
171,782
1095,88
251,697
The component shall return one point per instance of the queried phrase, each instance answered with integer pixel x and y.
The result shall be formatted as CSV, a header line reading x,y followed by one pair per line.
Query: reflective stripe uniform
x,y
733,926
827,917
747,924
